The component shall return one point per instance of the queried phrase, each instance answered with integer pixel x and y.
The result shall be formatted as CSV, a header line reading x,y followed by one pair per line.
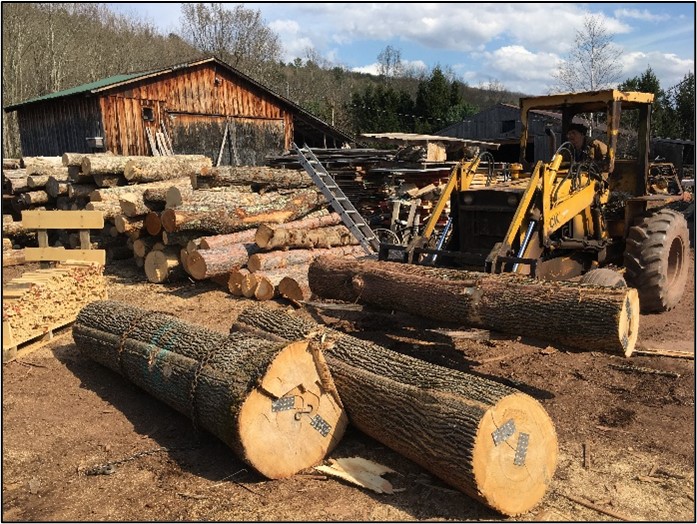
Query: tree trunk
x,y
583,317
269,237
279,259
163,266
28,161
267,176
274,208
247,391
489,440
206,263
105,164
178,195
152,169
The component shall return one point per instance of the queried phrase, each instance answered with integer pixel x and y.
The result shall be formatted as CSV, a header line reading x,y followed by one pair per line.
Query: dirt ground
x,y
62,413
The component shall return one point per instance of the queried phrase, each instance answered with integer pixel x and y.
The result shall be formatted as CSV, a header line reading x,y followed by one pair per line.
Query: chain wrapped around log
x,y
271,403
591,318
489,440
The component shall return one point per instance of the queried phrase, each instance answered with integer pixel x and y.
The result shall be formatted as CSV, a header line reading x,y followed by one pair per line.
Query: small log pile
x,y
488,440
591,318
44,299
272,403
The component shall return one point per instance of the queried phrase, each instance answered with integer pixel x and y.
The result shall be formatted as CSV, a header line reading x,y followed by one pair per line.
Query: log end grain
x,y
293,289
234,283
153,224
515,454
629,322
160,265
265,289
281,440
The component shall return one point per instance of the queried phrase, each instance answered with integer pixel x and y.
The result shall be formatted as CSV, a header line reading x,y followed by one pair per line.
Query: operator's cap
x,y
578,127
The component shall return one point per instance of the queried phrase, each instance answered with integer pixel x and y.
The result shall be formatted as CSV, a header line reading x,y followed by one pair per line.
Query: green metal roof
x,y
84,88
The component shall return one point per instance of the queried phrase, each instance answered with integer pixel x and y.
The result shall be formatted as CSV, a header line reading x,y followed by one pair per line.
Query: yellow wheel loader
x,y
566,218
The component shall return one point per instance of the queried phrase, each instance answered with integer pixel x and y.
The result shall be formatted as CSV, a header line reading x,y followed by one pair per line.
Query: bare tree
x,y
390,62
239,36
593,63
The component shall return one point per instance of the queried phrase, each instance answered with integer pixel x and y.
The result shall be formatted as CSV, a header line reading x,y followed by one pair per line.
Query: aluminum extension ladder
x,y
338,200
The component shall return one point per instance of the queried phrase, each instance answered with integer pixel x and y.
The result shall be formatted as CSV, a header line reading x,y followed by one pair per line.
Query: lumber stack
x,y
45,299
591,318
488,440
272,403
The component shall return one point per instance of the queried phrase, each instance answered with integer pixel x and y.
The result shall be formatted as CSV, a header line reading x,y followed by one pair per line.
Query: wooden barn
x,y
197,108
501,124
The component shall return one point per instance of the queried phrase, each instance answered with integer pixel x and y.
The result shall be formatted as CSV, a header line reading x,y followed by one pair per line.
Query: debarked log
x,y
579,316
269,402
491,441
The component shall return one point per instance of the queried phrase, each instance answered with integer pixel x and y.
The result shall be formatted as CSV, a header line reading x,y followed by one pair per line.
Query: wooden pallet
x,y
12,348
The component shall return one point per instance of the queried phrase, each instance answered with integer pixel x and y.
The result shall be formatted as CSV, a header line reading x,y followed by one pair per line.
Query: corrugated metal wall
x,y
52,128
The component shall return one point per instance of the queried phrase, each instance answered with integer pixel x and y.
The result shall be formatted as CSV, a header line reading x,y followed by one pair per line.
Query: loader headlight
x,y
467,199
512,200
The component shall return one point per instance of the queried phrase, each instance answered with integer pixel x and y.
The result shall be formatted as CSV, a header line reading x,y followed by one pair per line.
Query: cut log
x,y
132,205
234,196
17,183
35,198
75,159
259,397
110,209
10,163
56,187
102,180
110,193
295,287
257,175
179,238
249,285
163,266
80,190
151,169
268,282
270,237
76,176
153,224
583,317
272,208
219,241
105,164
279,259
131,226
206,263
235,279
486,439
143,246
13,257
40,160
38,176
157,191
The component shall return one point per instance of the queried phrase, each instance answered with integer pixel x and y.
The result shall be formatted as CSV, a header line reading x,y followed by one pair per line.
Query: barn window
x,y
507,126
148,114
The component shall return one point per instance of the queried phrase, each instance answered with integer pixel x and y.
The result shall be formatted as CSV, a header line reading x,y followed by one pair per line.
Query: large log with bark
x,y
269,237
75,159
272,403
489,440
38,176
105,164
271,208
178,195
152,169
278,259
257,175
206,263
579,316
56,187
27,161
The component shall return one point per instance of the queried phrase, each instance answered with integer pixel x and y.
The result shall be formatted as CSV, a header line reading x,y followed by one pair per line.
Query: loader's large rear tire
x,y
656,259
603,277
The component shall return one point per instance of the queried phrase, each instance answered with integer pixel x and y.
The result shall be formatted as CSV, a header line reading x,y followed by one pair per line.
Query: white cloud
x,y
294,44
372,69
668,68
640,15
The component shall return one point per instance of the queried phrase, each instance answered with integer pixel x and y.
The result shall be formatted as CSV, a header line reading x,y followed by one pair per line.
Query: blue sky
x,y
518,45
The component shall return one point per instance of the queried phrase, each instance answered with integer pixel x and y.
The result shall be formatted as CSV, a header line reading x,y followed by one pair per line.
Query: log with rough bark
x,y
178,195
109,193
10,163
105,164
267,284
206,263
270,237
13,257
257,175
218,241
75,159
109,180
133,227
80,190
56,187
228,200
249,392
295,287
132,205
271,208
40,160
110,208
156,192
39,176
179,238
583,317
16,182
35,198
152,169
278,259
489,440
163,266
234,283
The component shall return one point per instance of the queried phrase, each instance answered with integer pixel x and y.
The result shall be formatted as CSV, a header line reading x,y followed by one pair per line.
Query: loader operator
x,y
586,148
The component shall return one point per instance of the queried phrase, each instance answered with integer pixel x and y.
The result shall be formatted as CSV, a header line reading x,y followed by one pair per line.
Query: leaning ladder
x,y
338,200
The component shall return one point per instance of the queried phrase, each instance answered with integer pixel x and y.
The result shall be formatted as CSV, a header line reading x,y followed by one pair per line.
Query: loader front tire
x,y
656,259
603,277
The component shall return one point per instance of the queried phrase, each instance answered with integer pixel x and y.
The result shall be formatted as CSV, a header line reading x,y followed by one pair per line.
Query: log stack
x,y
488,440
273,404
591,318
